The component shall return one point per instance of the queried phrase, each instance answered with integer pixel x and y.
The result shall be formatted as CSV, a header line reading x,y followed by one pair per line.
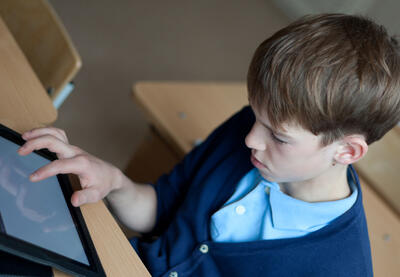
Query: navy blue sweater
x,y
199,185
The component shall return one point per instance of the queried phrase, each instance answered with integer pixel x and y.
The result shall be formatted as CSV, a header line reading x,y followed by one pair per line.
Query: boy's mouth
x,y
257,163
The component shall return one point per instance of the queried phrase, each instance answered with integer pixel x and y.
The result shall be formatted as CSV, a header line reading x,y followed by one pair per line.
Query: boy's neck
x,y
330,186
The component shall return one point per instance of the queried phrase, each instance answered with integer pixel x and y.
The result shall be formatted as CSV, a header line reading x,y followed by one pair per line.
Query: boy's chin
x,y
272,178
267,176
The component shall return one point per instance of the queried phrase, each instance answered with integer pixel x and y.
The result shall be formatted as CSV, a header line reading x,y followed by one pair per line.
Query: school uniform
x,y
200,186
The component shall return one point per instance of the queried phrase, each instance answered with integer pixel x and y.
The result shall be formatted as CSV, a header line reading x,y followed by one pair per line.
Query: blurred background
x,y
125,41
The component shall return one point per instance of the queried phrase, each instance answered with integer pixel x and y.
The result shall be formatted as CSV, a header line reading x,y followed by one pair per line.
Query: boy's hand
x,y
97,177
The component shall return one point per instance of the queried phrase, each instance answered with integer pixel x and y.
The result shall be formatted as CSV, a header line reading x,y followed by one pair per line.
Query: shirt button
x,y
240,210
203,248
267,190
173,274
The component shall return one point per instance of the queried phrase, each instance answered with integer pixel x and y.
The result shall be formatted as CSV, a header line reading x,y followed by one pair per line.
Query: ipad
x,y
37,220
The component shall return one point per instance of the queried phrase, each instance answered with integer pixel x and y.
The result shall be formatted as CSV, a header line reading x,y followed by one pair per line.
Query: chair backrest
x,y
44,41
24,104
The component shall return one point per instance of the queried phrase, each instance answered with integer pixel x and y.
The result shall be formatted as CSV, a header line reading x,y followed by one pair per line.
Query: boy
x,y
271,192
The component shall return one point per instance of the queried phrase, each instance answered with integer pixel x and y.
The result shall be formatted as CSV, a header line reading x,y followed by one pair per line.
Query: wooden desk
x,y
184,112
24,105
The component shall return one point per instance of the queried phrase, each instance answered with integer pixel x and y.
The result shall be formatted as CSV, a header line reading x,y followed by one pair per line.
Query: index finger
x,y
65,166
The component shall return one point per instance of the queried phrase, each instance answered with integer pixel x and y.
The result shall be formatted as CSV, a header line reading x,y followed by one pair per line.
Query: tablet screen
x,y
35,212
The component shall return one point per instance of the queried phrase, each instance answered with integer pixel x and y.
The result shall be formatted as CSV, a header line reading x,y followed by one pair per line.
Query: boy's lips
x,y
257,163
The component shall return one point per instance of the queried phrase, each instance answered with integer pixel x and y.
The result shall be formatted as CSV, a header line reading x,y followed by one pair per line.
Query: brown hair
x,y
333,74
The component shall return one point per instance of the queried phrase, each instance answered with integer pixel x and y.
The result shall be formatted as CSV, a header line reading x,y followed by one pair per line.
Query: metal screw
x,y
182,115
197,141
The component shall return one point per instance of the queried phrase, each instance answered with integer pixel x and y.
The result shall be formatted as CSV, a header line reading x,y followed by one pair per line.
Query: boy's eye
x,y
277,139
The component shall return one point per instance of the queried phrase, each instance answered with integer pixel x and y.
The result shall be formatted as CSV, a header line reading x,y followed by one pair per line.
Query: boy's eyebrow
x,y
276,132
269,127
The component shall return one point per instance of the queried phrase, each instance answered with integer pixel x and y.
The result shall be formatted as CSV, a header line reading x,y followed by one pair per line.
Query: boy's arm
x,y
133,203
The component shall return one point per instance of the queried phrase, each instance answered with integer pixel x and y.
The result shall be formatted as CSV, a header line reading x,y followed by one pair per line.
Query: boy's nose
x,y
255,140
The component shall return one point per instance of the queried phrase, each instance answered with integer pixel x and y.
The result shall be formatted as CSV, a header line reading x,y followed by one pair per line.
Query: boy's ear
x,y
351,149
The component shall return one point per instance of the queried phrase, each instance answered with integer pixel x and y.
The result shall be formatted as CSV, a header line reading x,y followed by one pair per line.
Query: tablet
x,y
37,220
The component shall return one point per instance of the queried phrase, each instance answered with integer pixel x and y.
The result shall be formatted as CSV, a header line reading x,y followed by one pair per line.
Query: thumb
x,y
87,195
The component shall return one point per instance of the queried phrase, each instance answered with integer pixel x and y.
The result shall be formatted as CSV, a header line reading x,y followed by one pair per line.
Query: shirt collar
x,y
289,213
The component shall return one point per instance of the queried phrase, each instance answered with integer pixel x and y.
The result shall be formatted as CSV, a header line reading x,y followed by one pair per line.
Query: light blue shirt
x,y
258,210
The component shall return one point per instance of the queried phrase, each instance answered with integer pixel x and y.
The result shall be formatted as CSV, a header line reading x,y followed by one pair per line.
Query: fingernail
x,y
34,177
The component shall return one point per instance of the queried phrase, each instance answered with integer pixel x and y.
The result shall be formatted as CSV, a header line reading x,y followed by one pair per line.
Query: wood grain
x,y
381,168
186,112
43,39
114,250
116,254
25,103
384,233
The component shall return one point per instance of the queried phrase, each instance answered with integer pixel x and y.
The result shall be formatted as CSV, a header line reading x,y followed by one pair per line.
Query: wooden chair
x,y
381,168
45,43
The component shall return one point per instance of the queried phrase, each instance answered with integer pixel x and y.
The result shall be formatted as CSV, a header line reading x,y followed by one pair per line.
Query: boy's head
x,y
331,83
332,74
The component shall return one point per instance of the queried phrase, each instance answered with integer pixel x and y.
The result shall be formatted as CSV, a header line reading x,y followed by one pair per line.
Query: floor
x,y
150,40
125,41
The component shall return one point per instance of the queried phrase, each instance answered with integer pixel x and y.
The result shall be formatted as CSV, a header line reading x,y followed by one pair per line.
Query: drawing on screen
x,y
14,181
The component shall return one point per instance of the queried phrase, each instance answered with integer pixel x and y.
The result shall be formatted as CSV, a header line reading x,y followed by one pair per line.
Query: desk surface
x,y
174,107
24,105
183,112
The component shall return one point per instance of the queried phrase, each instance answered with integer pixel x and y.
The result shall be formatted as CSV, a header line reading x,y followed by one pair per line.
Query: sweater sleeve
x,y
171,188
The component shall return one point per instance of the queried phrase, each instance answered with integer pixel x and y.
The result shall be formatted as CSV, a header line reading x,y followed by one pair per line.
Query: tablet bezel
x,y
44,256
